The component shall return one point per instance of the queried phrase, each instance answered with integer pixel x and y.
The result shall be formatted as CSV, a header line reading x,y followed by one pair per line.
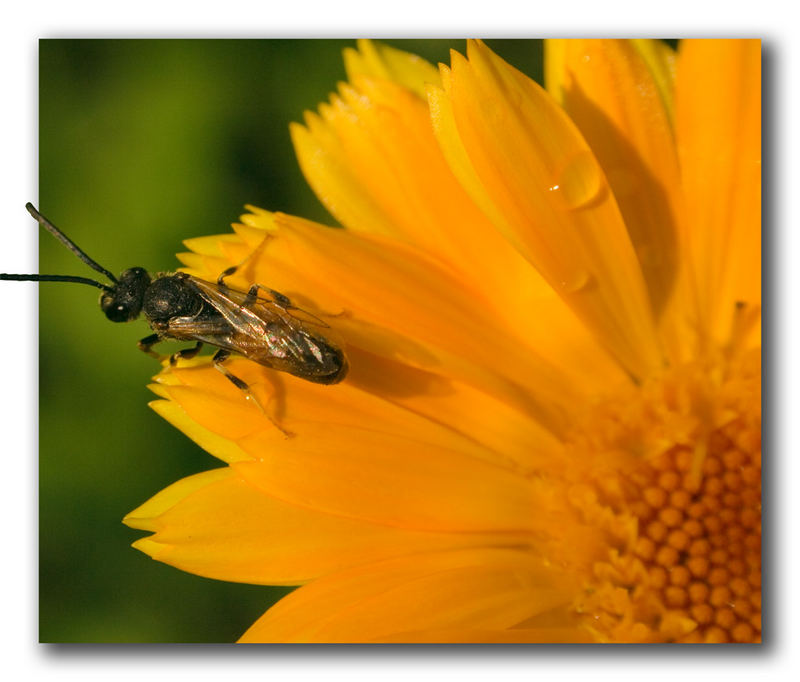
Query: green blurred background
x,y
144,143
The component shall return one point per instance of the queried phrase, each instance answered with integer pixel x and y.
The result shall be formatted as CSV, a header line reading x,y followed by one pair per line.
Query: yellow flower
x,y
550,302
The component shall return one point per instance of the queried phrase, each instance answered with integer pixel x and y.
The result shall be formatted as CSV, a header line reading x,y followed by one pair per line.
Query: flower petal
x,y
143,516
535,312
718,129
212,415
388,63
390,480
379,395
662,61
611,96
512,636
544,180
217,525
527,311
506,433
372,159
480,589
659,57
395,302
216,445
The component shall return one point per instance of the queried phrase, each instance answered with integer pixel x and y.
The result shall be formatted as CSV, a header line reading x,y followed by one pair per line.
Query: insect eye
x,y
114,309
124,302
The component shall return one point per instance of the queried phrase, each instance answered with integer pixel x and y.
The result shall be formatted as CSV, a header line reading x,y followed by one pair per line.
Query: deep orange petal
x,y
372,159
536,315
358,456
511,636
539,174
610,94
532,318
378,395
393,301
481,589
391,480
718,129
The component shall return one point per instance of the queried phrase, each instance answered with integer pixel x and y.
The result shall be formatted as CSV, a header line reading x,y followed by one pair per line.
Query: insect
x,y
270,331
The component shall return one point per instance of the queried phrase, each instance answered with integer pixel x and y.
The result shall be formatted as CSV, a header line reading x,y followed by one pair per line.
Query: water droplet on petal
x,y
578,281
580,182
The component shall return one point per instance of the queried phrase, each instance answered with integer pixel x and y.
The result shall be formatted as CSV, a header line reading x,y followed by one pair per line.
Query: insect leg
x,y
219,357
252,292
277,296
227,272
147,343
186,353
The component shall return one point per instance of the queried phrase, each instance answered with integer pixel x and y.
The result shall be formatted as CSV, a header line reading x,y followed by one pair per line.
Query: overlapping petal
x,y
555,203
543,635
372,459
388,63
718,130
610,93
442,590
659,57
379,395
372,158
216,524
413,309
501,271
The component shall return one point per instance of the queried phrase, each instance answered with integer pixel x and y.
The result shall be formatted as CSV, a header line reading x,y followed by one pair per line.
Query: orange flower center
x,y
682,517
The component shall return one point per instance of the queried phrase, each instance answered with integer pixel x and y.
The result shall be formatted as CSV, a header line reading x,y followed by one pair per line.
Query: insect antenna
x,y
72,246
55,278
66,241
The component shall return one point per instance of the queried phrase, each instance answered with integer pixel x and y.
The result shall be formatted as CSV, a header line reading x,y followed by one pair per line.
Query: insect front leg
x,y
219,357
227,272
252,292
277,296
146,345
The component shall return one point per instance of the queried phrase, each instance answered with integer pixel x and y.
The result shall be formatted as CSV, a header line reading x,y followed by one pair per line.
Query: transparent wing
x,y
267,331
230,303
213,332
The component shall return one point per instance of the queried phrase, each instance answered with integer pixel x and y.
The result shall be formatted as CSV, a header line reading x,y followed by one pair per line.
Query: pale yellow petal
x,y
217,525
222,448
383,61
143,516
555,73
662,61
